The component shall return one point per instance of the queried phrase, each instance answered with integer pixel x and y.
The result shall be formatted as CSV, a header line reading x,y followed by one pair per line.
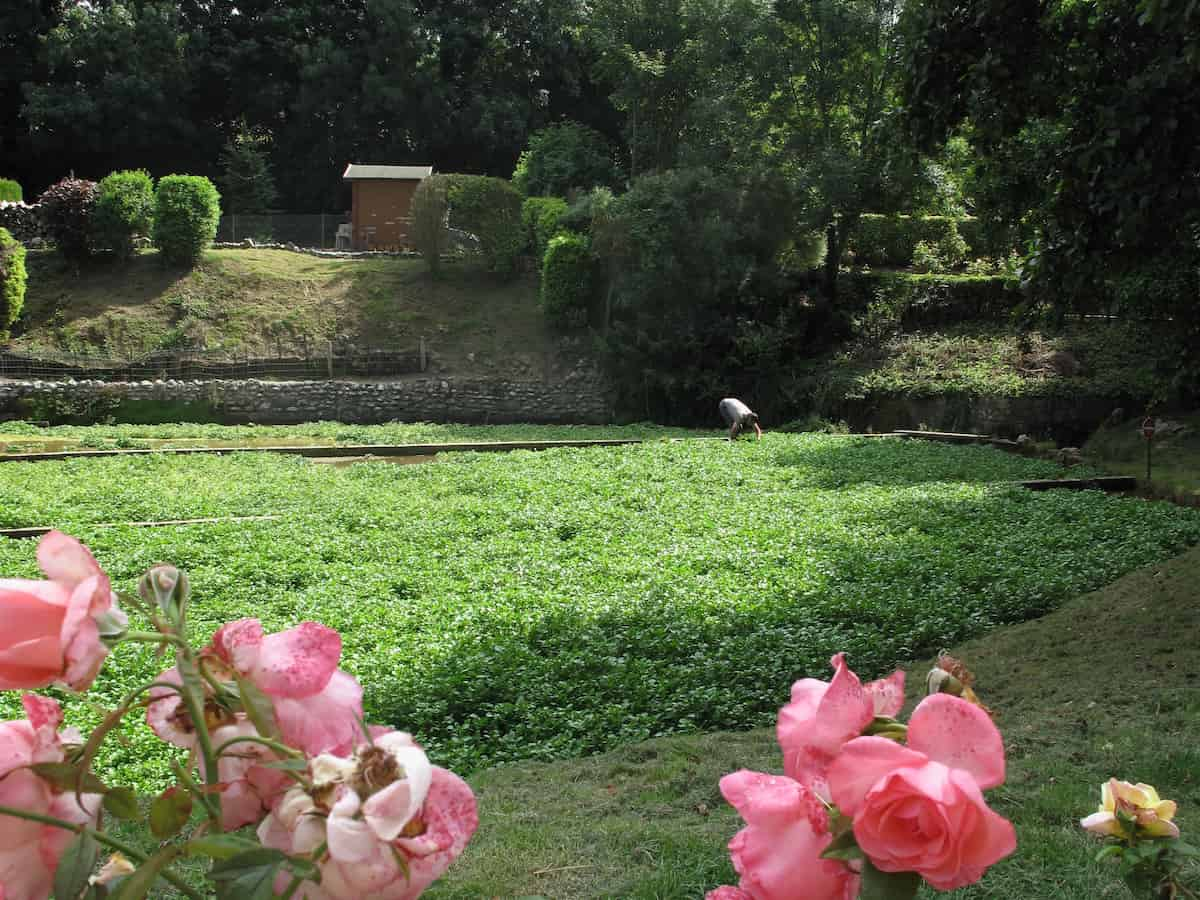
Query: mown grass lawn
x,y
549,605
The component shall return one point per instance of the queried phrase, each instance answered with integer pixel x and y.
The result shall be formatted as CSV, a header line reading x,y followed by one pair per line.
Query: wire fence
x,y
312,361
315,230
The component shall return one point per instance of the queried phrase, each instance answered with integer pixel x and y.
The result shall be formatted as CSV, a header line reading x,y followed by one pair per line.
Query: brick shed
x,y
382,196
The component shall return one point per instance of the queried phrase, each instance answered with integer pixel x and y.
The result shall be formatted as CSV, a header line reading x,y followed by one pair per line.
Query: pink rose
x,y
318,706
778,853
919,808
388,802
249,789
822,716
52,629
29,851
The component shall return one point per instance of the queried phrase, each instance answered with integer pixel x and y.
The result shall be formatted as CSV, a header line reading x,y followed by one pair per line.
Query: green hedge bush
x,y
12,280
186,211
67,209
891,240
10,191
568,280
541,218
490,209
882,302
124,209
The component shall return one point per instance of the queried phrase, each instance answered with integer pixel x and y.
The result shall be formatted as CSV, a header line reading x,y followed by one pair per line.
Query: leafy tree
x,y
124,208
247,185
562,158
1084,114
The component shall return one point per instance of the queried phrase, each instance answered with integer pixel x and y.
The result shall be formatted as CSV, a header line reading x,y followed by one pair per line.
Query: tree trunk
x,y
833,252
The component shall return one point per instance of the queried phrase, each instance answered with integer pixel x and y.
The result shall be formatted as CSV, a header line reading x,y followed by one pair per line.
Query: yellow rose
x,y
1138,805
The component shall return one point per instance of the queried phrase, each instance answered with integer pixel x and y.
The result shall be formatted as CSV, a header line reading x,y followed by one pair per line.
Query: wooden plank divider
x,y
39,530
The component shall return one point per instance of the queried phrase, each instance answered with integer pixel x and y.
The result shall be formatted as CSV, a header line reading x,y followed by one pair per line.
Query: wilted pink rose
x,y
919,808
778,853
249,788
822,716
52,629
29,851
420,813
318,706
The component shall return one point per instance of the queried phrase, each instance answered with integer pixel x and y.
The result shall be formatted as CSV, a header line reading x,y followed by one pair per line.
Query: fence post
x,y
329,359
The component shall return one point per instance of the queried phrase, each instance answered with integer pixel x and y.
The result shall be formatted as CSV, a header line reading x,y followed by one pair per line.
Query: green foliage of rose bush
x,y
541,605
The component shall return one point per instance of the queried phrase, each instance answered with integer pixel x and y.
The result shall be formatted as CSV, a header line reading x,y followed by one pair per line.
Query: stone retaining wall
x,y
582,397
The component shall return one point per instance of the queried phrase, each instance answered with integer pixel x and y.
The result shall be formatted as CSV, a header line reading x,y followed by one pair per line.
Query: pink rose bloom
x,y
52,629
778,853
824,715
249,789
318,706
919,808
29,851
421,813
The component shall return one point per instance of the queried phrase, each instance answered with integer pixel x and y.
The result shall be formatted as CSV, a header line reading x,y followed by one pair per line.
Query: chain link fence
x,y
317,360
313,230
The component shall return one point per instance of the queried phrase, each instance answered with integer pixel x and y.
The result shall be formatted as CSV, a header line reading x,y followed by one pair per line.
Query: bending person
x,y
737,416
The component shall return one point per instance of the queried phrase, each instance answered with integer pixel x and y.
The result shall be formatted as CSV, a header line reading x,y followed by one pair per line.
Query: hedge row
x,y
890,240
881,302
23,221
490,209
568,280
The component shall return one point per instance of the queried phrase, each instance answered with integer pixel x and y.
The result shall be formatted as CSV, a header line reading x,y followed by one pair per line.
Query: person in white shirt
x,y
737,416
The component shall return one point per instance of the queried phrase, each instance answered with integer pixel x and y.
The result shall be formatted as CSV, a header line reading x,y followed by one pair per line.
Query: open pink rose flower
x,y
318,706
52,629
778,853
919,808
385,803
823,715
30,851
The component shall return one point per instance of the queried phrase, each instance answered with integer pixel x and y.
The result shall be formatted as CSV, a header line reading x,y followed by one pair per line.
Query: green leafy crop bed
x,y
542,605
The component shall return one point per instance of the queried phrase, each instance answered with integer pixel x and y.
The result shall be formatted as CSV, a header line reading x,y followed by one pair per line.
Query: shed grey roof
x,y
356,172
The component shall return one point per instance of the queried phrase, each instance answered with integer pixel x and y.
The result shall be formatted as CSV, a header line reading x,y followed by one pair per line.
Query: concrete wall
x,y
582,397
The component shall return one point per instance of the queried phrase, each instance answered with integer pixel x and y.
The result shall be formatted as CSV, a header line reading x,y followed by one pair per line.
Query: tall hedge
x,y
124,209
67,209
428,213
12,280
568,280
186,211
882,240
10,191
490,209
540,219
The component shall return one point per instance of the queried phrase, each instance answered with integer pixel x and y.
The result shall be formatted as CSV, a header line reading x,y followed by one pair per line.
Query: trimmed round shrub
x,y
490,209
67,209
565,157
186,211
12,280
540,217
10,191
124,209
568,280
428,213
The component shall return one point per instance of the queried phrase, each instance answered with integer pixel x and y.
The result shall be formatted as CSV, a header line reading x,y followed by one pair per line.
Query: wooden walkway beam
x,y
39,530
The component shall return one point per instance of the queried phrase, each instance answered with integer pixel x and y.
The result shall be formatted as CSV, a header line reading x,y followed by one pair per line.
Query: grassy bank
x,y
548,605
1120,447
270,301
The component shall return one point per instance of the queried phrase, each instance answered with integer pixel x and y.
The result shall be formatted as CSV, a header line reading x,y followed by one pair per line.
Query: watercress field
x,y
543,605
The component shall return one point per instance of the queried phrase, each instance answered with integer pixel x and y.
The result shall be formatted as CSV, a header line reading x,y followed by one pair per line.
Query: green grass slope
x,y
266,301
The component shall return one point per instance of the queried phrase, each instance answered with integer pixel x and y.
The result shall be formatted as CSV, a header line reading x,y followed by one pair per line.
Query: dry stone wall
x,y
582,397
